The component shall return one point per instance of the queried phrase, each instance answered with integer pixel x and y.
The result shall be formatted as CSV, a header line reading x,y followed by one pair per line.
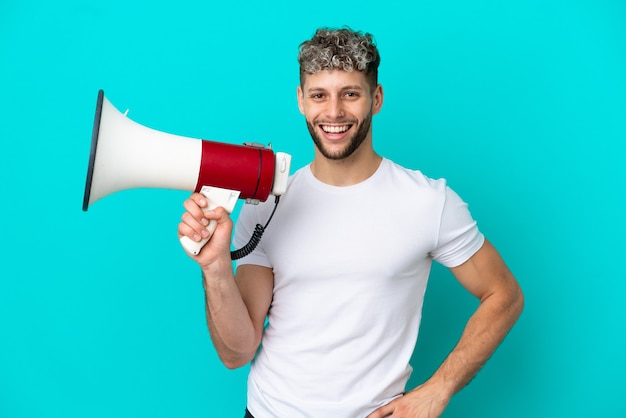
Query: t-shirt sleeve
x,y
459,237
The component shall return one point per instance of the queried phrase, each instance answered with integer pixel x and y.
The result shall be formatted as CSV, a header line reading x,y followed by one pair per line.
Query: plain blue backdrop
x,y
520,105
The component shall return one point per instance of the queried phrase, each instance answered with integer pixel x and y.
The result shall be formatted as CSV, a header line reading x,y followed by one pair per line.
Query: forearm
x,y
484,331
228,320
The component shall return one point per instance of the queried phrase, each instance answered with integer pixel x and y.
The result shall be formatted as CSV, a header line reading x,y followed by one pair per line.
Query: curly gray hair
x,y
340,49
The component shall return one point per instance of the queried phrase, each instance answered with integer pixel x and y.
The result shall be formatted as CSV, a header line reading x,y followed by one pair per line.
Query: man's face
x,y
338,107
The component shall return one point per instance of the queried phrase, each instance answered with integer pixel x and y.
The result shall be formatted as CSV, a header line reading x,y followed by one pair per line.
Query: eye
x,y
317,96
351,94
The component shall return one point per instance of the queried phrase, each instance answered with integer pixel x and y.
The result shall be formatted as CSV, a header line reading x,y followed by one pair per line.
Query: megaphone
x,y
127,155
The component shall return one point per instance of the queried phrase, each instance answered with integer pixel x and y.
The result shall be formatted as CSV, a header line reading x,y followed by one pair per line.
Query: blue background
x,y
521,105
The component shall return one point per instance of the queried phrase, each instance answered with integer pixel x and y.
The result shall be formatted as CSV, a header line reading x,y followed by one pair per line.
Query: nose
x,y
334,110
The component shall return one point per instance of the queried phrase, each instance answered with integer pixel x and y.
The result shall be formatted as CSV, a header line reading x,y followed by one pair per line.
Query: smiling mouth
x,y
335,129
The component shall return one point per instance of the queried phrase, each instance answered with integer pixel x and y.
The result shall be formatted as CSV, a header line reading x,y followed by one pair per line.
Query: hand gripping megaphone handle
x,y
216,197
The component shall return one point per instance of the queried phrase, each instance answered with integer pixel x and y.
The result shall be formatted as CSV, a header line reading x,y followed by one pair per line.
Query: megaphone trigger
x,y
216,197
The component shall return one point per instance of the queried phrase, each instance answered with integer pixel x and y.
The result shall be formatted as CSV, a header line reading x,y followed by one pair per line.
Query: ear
x,y
300,95
377,103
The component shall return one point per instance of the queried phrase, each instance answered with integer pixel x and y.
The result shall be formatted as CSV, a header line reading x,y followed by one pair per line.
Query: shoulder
x,y
412,177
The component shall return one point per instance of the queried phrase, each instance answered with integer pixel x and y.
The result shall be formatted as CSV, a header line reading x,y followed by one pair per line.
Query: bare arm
x,y
486,276
236,307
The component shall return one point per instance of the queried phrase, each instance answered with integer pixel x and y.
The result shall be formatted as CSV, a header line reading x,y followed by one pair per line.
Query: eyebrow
x,y
350,87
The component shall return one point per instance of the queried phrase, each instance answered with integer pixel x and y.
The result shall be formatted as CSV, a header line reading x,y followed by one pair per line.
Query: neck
x,y
349,171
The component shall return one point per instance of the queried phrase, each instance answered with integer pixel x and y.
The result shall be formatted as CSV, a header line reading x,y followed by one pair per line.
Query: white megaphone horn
x,y
126,155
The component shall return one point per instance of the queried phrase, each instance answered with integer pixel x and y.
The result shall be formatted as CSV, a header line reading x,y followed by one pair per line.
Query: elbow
x,y
233,364
237,361
508,302
234,356
517,302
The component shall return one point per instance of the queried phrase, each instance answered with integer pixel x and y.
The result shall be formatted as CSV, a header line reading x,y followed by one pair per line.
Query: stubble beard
x,y
354,143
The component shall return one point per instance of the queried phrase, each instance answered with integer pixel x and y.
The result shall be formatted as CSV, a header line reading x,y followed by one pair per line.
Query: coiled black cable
x,y
255,238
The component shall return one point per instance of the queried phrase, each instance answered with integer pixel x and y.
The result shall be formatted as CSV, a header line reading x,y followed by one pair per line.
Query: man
x,y
341,272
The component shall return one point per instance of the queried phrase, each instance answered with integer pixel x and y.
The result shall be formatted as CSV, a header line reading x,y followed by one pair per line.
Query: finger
x,y
199,199
382,412
220,214
194,220
192,228
193,206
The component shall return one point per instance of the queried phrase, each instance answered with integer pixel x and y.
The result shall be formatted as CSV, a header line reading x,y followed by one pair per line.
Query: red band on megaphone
x,y
248,169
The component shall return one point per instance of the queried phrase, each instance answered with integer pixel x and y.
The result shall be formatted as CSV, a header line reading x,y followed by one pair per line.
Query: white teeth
x,y
335,129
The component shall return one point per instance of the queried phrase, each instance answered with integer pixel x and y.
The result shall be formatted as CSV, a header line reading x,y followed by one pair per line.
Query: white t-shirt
x,y
350,271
